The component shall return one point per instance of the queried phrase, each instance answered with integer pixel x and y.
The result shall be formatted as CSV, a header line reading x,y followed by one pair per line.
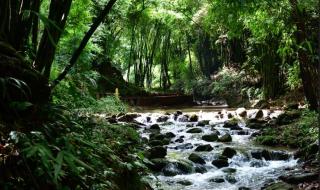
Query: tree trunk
x,y
309,68
59,10
84,42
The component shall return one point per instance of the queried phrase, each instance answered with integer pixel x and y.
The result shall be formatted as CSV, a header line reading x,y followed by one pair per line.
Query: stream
x,y
244,165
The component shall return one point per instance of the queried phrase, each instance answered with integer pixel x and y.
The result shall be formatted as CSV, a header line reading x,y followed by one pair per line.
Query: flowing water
x,y
249,172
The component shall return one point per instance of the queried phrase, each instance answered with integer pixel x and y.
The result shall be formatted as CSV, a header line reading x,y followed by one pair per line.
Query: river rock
x,y
189,125
184,146
279,186
200,169
279,155
259,154
193,118
167,123
230,123
156,152
112,120
261,104
243,132
217,180
242,112
292,106
155,143
203,123
288,117
225,138
170,170
194,130
259,114
231,179
196,158
230,116
148,118
210,138
129,117
220,163
179,112
256,125
183,118
185,182
204,148
229,152
270,155
299,178
163,118
229,170
155,127
157,164
156,136
179,140
257,163
244,188
215,131
170,135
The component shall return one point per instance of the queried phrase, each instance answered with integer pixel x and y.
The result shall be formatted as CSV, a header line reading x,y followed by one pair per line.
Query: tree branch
x,y
83,43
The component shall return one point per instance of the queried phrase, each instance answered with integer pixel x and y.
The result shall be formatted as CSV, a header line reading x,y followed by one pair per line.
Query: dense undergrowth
x,y
299,133
68,149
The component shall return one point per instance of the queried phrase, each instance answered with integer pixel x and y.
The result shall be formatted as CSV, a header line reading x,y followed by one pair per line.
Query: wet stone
x,y
196,158
229,152
225,138
229,170
184,146
210,138
220,163
185,182
193,118
204,148
217,180
200,169
194,130
163,118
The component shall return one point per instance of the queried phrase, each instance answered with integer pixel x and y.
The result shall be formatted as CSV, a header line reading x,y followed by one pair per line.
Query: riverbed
x,y
245,169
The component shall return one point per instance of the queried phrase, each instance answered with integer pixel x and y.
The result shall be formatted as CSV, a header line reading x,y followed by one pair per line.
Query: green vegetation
x,y
300,133
61,62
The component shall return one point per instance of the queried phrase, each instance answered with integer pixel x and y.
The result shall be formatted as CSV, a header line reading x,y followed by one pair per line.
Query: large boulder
x,y
288,117
196,158
225,138
204,148
229,152
210,138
